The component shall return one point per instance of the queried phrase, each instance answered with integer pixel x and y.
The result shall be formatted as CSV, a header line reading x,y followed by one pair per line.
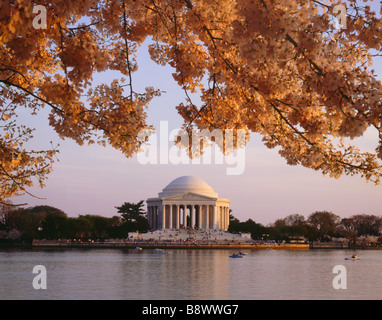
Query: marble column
x,y
177,216
203,217
156,217
214,217
162,212
207,217
185,216
197,216
153,211
150,211
220,217
223,217
192,217
226,218
170,217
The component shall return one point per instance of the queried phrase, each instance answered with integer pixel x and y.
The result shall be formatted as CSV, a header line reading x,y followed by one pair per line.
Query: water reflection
x,y
188,274
196,274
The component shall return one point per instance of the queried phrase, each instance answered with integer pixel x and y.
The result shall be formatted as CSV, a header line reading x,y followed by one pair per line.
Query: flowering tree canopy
x,y
279,68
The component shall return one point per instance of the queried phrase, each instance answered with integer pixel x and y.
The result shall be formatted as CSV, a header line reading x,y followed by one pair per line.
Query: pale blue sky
x,y
93,180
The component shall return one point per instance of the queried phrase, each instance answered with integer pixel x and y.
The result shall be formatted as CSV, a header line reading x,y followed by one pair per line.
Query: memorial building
x,y
188,202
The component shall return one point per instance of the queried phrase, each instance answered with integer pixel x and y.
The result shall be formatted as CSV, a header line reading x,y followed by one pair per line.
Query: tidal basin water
x,y
189,274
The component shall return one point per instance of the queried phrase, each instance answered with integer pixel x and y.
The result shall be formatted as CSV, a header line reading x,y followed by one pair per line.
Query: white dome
x,y
188,184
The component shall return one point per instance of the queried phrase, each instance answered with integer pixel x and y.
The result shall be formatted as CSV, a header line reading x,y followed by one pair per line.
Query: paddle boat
x,y
236,255
165,252
353,257
242,253
138,248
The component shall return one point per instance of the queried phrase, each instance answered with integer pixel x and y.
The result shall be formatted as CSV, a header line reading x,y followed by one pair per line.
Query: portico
x,y
188,202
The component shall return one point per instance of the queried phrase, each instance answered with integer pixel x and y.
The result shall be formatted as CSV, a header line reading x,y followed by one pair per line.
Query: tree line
x,y
320,225
46,222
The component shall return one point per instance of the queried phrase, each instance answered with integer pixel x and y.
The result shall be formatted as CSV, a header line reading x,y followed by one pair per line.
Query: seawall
x,y
156,245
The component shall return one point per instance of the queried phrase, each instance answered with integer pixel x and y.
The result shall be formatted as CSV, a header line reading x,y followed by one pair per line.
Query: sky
x,y
94,179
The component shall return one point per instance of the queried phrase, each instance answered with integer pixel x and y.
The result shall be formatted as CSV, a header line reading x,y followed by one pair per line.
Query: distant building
x,y
188,202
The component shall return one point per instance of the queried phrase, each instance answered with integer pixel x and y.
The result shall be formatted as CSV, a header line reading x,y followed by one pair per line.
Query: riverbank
x,y
344,245
168,245
190,239
171,245
177,239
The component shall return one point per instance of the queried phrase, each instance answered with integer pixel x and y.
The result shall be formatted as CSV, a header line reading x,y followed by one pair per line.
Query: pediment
x,y
189,196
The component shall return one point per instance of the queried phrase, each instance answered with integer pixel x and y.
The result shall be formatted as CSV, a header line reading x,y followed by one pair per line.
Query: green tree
x,y
348,228
5,210
71,228
234,223
53,224
325,222
26,221
367,224
133,217
115,227
255,229
130,212
294,220
99,226
83,227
